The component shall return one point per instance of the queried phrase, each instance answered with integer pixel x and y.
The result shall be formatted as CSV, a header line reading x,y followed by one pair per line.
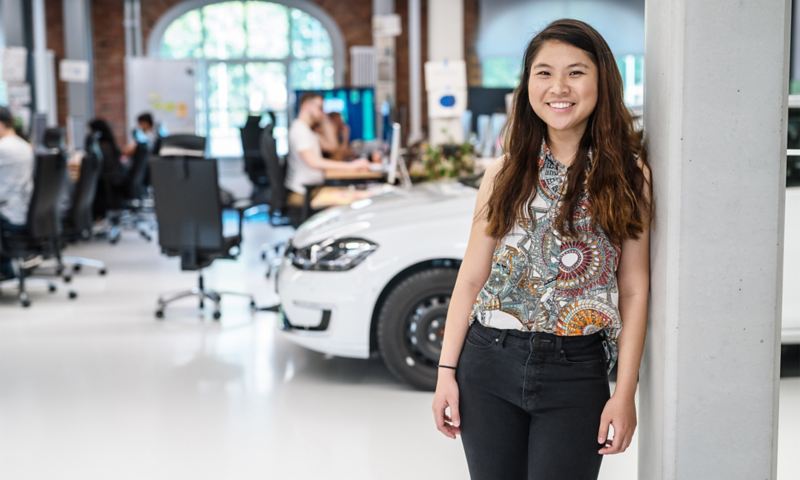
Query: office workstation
x,y
236,235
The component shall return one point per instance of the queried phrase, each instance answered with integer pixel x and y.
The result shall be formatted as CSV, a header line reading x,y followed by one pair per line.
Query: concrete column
x,y
715,118
446,43
414,70
42,80
12,18
78,46
446,30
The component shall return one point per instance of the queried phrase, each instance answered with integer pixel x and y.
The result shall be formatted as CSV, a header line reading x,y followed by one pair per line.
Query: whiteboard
x,y
165,88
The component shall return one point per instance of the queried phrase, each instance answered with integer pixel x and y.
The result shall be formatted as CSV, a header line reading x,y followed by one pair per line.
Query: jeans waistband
x,y
542,341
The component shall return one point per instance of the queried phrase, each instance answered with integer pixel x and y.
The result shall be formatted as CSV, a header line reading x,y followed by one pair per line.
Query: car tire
x,y
416,305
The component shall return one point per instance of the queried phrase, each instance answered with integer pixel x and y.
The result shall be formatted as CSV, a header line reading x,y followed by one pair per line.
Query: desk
x,y
336,174
338,177
339,196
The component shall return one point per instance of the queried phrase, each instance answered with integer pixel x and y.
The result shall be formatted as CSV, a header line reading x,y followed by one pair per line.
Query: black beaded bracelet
x,y
446,366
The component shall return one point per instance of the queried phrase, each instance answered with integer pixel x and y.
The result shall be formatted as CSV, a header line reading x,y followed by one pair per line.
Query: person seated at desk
x,y
146,132
16,182
334,137
112,182
305,164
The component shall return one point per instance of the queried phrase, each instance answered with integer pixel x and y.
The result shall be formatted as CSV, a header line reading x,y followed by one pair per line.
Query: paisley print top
x,y
543,281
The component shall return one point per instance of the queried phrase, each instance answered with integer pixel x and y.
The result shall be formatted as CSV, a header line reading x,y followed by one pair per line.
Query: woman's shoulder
x,y
494,168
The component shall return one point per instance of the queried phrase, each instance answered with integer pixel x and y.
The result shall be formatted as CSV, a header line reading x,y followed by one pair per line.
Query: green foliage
x,y
448,161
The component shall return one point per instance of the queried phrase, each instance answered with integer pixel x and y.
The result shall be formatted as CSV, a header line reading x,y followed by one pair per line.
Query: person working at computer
x,y
16,182
334,136
305,164
146,132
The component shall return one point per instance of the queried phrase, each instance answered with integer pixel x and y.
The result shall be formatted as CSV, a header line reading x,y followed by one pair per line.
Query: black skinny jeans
x,y
530,404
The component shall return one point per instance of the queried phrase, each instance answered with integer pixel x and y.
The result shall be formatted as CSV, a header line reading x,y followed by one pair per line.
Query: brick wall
x,y
108,45
354,18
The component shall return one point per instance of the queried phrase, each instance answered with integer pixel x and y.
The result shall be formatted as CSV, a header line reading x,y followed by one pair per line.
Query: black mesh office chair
x,y
254,165
280,212
78,222
40,239
190,223
182,144
127,200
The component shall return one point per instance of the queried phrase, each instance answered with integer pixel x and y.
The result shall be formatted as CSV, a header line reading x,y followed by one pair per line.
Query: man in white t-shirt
x,y
16,181
306,165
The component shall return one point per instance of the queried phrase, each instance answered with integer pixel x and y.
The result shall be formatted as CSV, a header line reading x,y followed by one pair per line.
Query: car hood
x,y
393,208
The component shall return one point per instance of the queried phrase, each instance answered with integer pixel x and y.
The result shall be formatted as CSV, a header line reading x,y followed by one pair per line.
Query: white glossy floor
x,y
98,389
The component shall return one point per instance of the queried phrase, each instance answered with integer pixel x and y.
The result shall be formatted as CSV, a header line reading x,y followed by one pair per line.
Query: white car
x,y
377,276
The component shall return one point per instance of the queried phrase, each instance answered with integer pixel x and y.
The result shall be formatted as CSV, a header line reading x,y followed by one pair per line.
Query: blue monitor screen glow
x,y
357,106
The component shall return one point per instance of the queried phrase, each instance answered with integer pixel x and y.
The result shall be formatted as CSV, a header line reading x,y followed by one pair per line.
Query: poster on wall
x,y
15,64
165,88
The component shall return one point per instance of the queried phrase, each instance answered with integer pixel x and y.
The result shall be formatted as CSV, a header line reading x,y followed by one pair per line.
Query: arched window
x,y
251,54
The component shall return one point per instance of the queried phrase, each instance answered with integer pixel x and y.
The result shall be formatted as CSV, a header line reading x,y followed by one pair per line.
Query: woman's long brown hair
x,y
619,192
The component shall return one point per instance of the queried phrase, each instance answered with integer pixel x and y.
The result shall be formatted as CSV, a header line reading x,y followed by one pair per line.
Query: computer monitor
x,y
356,105
486,101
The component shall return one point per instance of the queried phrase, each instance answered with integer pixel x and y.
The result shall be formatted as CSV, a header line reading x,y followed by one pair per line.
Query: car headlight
x,y
332,255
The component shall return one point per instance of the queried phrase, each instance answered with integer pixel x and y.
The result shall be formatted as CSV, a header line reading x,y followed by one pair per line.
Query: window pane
x,y
500,71
227,86
266,86
224,25
309,37
314,73
267,30
224,135
281,133
183,37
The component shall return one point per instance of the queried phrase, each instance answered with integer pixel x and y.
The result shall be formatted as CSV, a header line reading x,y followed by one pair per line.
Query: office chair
x,y
188,145
182,144
190,223
254,165
78,223
128,205
280,212
54,138
40,238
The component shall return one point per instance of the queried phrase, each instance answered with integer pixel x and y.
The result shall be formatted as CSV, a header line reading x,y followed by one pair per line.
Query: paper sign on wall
x,y
19,94
73,71
386,25
15,64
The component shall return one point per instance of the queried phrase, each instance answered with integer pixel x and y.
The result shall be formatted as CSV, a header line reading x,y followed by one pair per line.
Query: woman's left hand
x,y
620,412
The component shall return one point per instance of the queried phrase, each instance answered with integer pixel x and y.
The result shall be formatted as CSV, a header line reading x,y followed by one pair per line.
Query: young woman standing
x,y
553,289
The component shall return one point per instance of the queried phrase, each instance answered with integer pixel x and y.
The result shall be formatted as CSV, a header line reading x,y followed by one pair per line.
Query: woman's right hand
x,y
446,395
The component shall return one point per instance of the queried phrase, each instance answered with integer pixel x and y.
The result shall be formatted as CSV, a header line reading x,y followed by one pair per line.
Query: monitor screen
x,y
356,105
486,101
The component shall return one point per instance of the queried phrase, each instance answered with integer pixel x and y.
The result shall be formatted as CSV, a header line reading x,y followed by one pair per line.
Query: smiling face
x,y
562,87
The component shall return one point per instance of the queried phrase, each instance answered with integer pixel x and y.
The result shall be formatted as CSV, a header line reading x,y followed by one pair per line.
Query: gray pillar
x,y
382,7
12,17
715,112
414,70
78,46
41,72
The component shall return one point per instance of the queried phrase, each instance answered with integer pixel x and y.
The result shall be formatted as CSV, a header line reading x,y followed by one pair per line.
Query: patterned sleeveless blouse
x,y
542,281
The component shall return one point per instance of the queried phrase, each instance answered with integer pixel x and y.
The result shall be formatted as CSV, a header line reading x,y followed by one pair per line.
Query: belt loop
x,y
558,343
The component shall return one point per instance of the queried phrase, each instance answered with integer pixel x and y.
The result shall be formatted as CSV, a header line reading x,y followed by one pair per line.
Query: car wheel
x,y
411,325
